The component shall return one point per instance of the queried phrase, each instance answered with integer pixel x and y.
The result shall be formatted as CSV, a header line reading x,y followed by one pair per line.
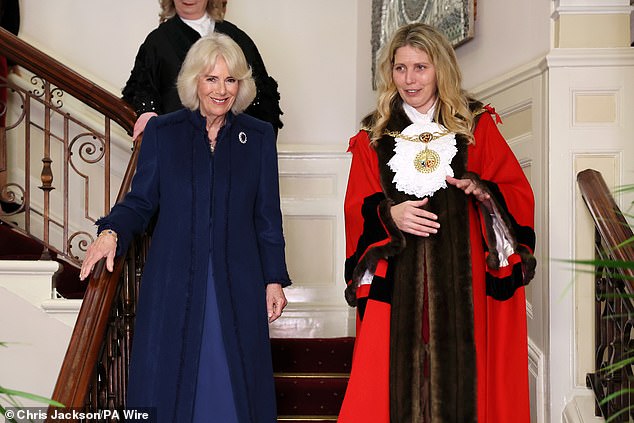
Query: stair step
x,y
312,375
314,395
16,246
312,355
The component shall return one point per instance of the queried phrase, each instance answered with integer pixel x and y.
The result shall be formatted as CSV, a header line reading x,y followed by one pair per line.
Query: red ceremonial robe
x,y
465,358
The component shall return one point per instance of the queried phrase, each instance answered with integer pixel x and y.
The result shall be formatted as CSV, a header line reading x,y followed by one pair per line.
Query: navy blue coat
x,y
236,214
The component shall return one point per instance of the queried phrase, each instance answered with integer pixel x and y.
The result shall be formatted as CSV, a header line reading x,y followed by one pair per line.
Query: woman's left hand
x,y
469,186
275,301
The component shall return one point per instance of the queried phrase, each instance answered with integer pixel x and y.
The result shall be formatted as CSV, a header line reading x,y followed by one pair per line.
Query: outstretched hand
x,y
104,246
469,186
275,301
410,217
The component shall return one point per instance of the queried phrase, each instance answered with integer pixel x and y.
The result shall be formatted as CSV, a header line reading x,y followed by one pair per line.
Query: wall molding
x,y
536,370
580,408
591,10
511,79
313,181
590,57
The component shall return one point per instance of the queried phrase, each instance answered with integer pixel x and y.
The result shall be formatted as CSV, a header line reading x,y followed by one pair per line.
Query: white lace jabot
x,y
407,175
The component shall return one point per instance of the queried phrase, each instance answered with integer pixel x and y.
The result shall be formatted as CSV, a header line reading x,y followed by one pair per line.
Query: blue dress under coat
x,y
234,216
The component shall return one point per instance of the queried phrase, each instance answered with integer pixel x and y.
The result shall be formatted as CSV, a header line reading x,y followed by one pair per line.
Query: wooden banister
x,y
611,381
78,367
609,221
28,57
87,341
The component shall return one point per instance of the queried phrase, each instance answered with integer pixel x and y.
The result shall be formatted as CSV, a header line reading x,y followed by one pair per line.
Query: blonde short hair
x,y
202,56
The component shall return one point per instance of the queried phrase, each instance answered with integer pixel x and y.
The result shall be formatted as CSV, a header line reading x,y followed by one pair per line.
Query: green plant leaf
x,y
616,415
3,411
26,395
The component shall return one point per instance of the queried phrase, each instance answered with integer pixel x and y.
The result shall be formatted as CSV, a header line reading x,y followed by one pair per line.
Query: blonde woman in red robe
x,y
440,239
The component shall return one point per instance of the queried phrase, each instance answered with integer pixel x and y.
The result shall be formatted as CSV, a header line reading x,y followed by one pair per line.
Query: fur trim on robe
x,y
431,345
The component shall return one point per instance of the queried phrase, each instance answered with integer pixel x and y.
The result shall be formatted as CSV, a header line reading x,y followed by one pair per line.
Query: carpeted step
x,y
311,376
310,394
306,419
312,355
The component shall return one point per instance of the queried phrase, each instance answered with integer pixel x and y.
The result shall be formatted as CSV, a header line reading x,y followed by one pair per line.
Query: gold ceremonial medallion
x,y
427,161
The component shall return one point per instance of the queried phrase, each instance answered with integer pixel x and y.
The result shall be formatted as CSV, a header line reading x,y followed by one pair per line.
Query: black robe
x,y
152,83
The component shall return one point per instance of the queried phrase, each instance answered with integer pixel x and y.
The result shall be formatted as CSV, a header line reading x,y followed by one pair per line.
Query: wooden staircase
x,y
311,376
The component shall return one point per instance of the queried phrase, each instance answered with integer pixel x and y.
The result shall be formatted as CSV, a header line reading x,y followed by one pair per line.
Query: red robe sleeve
x,y
499,301
363,182
363,196
494,163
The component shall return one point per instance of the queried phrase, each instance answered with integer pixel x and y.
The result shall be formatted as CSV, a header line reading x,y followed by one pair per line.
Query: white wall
x,y
312,53
97,39
508,34
318,51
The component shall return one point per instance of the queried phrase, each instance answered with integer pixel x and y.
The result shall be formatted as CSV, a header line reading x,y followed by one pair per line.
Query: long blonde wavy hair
x,y
452,108
215,9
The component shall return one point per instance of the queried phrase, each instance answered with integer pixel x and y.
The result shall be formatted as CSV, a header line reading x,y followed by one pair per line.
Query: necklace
x,y
427,160
212,134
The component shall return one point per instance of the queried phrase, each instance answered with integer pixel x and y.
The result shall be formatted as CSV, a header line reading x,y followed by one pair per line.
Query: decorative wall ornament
x,y
455,18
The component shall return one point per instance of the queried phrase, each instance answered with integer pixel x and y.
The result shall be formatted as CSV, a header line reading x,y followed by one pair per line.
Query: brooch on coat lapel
x,y
242,137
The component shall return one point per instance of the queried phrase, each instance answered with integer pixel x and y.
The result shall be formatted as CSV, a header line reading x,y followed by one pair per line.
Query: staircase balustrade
x,y
613,379
57,117
70,121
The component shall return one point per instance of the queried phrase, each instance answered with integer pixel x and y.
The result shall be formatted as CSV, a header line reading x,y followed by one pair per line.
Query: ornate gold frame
x,y
455,18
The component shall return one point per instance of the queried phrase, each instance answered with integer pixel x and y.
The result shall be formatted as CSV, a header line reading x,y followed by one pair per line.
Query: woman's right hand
x,y
104,246
410,217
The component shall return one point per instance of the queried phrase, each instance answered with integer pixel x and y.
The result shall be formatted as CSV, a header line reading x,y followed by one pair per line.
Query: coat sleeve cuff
x,y
284,281
518,268
392,245
123,238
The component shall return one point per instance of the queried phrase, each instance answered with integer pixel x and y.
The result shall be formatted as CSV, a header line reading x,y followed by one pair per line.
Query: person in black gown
x,y
151,88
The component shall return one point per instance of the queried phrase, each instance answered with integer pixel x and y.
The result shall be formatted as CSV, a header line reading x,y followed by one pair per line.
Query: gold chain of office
x,y
424,137
427,160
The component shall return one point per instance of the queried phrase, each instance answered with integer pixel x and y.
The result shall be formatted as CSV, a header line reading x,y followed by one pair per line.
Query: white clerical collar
x,y
203,25
417,117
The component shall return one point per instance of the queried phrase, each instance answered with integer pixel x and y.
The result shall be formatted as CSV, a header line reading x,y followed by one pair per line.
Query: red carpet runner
x,y
311,376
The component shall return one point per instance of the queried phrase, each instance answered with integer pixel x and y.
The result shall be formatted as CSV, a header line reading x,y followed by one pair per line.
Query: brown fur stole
x,y
435,381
